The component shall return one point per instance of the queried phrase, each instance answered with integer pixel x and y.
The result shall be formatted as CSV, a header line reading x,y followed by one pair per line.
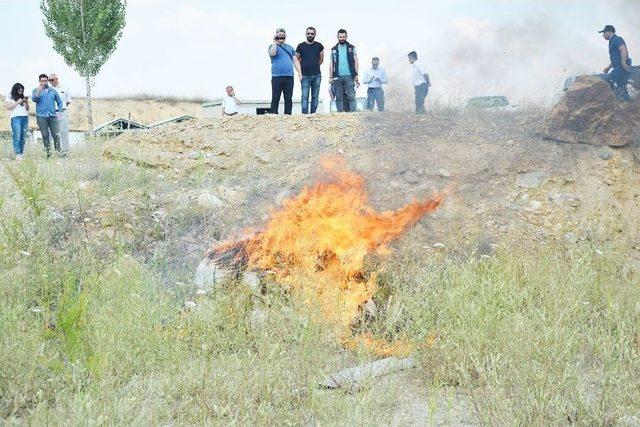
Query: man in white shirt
x,y
230,103
375,78
420,80
63,116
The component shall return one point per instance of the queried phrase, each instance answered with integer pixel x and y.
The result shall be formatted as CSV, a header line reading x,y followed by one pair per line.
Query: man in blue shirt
x,y
283,61
46,99
344,73
620,63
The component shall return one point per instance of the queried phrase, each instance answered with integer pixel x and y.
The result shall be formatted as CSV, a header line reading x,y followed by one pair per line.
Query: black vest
x,y
350,57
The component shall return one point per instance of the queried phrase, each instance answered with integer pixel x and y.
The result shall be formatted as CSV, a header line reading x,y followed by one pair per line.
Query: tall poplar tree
x,y
85,33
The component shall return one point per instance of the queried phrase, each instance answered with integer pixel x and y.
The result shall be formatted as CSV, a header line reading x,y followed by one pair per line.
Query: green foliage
x,y
84,32
31,184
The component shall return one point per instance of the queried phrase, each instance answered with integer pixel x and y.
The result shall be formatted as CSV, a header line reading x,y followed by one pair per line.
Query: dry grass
x,y
93,278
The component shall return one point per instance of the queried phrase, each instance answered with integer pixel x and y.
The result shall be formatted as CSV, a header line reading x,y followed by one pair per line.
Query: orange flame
x,y
317,243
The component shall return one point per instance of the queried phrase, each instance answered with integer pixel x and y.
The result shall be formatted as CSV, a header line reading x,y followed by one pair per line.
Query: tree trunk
x,y
89,108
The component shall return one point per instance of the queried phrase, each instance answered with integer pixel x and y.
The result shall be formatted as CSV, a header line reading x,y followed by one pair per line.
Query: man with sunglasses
x,y
311,56
283,62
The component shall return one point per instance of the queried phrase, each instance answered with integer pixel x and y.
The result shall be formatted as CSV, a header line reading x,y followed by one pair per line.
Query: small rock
x,y
531,179
195,155
370,308
322,143
54,215
534,206
201,293
280,135
209,201
509,142
231,195
402,167
411,177
444,173
84,185
252,280
571,238
257,318
605,153
564,199
262,156
282,196
439,245
394,184
190,305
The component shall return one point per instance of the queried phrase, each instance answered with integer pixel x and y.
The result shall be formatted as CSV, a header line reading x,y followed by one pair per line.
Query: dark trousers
x,y
281,85
618,80
49,128
375,95
421,94
345,90
310,83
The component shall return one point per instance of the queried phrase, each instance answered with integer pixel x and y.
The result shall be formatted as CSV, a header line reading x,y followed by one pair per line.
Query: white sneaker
x,y
19,157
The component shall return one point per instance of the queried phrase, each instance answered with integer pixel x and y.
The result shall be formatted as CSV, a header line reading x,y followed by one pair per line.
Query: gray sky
x,y
520,48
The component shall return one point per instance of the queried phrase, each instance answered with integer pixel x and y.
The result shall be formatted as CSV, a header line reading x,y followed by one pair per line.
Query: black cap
x,y
608,29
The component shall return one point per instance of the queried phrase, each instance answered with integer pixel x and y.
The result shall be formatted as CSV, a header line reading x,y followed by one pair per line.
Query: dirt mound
x,y
507,181
589,113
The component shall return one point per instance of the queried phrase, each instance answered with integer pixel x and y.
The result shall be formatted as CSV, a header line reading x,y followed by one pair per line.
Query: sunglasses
x,y
280,38
311,34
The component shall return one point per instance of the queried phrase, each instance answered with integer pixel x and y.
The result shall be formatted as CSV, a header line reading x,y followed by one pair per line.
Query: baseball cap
x,y
608,28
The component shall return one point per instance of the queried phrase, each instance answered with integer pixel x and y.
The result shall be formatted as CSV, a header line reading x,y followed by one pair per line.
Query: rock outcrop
x,y
589,113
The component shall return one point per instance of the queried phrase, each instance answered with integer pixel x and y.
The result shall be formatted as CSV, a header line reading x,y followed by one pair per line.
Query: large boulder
x,y
589,113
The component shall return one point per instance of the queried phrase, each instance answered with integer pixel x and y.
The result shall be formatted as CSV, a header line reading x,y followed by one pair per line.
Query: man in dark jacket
x,y
344,73
620,63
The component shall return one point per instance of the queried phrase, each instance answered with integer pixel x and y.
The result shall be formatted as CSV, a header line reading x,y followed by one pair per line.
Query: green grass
x,y
94,328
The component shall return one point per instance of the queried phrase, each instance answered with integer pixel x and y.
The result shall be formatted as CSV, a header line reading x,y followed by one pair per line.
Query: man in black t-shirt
x,y
311,56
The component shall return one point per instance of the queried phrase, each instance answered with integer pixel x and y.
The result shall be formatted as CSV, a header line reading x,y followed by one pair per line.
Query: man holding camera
x,y
344,73
47,101
283,62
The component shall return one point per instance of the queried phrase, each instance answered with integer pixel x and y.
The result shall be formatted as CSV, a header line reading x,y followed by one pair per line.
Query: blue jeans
x,y
19,127
375,95
310,82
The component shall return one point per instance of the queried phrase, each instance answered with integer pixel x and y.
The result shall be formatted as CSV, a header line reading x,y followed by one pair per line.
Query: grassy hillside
x,y
97,256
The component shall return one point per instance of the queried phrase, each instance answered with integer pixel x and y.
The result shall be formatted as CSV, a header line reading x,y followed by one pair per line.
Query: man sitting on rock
x,y
620,64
